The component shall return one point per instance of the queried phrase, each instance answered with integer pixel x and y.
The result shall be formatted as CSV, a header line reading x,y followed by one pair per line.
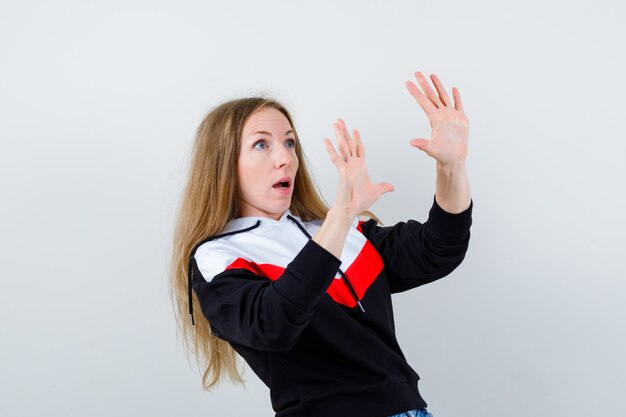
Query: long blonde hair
x,y
210,199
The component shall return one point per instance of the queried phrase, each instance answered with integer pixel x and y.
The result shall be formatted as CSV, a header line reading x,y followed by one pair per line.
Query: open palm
x,y
355,192
450,126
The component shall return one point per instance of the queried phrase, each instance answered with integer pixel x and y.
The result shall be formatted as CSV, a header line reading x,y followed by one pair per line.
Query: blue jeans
x,y
421,412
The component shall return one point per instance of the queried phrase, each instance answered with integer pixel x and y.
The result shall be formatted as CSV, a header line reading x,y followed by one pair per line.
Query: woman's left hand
x,y
449,124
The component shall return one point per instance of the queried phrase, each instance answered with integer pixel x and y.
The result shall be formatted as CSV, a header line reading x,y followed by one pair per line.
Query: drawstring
x,y
343,276
191,259
189,281
351,288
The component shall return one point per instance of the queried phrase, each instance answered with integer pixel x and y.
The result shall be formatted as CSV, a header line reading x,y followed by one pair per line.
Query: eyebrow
x,y
267,133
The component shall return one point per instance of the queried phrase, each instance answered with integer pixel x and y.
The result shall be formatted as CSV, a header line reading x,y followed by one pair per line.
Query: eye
x,y
291,143
260,145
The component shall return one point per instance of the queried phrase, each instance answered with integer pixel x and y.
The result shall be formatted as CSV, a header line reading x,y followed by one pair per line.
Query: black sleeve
x,y
415,254
253,311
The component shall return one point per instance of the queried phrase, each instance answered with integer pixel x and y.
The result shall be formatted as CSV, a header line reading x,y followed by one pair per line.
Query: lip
x,y
283,191
283,179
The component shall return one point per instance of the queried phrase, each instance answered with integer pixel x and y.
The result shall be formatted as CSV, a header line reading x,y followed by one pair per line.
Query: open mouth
x,y
283,184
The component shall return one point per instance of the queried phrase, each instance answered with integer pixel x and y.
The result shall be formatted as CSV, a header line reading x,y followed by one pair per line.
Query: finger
x,y
424,103
421,144
458,104
344,150
360,149
334,156
443,95
428,92
349,140
384,187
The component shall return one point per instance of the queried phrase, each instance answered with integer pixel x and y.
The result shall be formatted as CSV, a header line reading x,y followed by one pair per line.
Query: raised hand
x,y
355,192
450,126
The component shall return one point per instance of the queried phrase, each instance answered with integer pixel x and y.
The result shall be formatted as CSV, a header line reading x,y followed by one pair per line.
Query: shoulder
x,y
215,256
217,253
366,225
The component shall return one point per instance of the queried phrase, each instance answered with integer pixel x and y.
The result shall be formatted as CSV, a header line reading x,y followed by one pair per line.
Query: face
x,y
267,164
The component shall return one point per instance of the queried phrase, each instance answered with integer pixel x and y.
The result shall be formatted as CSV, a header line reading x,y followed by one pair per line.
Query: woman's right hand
x,y
355,192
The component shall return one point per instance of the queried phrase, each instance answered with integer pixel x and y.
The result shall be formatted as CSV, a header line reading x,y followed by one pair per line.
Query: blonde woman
x,y
302,291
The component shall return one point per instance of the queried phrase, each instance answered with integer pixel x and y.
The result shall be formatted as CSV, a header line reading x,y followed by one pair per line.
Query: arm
x,y
448,145
448,142
415,254
247,308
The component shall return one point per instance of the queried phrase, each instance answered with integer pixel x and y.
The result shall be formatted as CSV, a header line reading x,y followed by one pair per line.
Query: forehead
x,y
268,119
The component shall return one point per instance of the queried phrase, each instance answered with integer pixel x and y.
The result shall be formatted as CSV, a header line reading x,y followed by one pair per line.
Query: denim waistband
x,y
420,412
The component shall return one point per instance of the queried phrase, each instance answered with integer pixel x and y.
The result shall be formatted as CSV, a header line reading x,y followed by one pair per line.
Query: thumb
x,y
421,144
384,187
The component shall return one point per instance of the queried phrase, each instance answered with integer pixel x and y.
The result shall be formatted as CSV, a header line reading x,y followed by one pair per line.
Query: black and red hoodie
x,y
319,331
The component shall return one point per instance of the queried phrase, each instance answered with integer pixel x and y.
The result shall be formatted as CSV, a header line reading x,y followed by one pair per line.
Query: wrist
x,y
332,234
341,214
450,168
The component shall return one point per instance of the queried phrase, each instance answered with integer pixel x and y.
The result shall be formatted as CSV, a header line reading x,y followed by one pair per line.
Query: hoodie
x,y
317,330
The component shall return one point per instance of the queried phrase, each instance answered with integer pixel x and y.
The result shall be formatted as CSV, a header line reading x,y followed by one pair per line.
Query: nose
x,y
283,157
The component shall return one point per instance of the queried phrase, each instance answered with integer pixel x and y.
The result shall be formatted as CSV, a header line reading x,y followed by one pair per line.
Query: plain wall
x,y
99,102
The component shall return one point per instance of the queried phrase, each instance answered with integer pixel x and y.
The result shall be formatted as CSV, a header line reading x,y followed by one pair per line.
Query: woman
x,y
302,291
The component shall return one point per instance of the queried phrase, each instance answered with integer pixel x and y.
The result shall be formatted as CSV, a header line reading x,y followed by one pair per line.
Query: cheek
x,y
249,176
243,175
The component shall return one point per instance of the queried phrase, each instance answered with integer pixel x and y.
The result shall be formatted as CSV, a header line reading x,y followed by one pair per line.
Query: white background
x,y
99,102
